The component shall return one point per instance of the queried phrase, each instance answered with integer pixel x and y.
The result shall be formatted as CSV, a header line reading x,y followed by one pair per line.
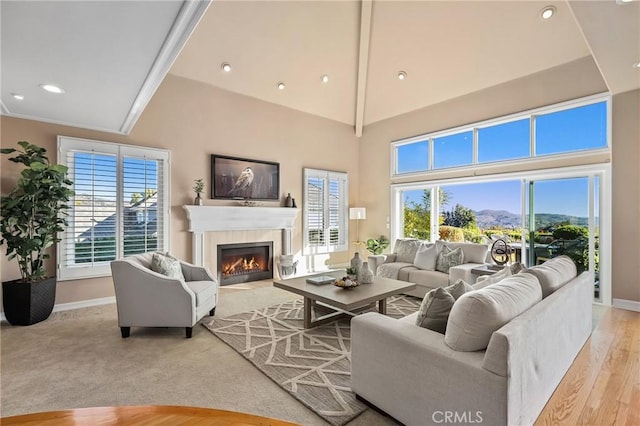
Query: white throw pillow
x,y
554,273
478,314
426,257
486,280
166,264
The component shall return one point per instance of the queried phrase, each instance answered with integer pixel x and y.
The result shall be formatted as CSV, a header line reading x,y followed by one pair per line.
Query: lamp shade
x,y
357,213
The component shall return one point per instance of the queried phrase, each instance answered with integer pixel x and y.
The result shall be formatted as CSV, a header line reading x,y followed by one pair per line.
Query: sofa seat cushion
x,y
477,314
392,270
554,273
436,306
205,291
431,279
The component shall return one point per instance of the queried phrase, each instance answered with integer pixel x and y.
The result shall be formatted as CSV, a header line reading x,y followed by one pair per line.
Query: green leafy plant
x,y
376,246
33,212
198,186
351,271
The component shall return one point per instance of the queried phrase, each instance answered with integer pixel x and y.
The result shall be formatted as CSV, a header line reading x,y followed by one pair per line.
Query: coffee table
x,y
339,301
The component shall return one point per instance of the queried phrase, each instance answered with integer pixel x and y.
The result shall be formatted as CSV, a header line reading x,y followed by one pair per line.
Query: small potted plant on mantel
x,y
32,216
198,188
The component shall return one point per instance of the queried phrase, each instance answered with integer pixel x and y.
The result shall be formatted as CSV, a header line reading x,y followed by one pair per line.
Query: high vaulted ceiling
x,y
447,49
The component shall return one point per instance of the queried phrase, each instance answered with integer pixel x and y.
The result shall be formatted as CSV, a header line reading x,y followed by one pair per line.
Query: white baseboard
x,y
630,305
77,305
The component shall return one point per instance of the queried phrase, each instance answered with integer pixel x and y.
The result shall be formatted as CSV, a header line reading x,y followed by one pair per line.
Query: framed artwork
x,y
242,178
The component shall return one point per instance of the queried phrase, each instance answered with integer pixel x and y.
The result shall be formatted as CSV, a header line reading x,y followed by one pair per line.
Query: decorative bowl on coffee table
x,y
346,283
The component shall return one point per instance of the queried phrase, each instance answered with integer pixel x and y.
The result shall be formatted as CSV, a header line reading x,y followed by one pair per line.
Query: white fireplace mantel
x,y
237,218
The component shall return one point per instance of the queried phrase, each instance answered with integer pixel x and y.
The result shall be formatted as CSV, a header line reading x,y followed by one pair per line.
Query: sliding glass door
x,y
541,215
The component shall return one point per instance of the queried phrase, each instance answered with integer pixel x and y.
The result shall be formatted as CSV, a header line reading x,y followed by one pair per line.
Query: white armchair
x,y
145,298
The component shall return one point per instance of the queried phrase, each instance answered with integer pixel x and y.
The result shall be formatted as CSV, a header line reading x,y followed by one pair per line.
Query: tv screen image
x,y
243,178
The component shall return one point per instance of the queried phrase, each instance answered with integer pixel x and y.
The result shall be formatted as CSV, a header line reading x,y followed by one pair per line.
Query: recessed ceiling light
x,y
226,67
325,78
280,86
547,12
17,96
52,88
636,65
402,75
623,1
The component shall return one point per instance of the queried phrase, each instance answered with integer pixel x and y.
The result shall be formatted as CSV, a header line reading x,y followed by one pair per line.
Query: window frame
x,y
66,145
473,127
343,219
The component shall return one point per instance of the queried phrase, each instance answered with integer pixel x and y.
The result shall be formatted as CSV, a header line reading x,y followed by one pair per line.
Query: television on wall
x,y
236,178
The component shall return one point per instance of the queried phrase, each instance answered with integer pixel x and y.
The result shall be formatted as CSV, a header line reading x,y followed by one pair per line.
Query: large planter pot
x,y
28,303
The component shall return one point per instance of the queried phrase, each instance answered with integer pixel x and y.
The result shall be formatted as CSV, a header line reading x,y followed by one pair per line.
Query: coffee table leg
x,y
382,306
308,307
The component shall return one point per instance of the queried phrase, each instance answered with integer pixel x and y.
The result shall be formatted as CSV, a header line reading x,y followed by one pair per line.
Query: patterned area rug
x,y
313,365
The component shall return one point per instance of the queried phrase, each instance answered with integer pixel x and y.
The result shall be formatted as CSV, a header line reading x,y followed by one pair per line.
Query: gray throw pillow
x,y
436,305
448,258
166,264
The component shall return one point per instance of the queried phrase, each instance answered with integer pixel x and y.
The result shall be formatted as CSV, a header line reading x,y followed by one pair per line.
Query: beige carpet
x,y
77,359
314,365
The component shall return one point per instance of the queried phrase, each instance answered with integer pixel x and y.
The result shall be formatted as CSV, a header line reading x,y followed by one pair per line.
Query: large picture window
x,y
120,205
325,211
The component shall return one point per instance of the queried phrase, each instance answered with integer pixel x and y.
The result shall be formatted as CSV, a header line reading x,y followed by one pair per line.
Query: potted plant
x,y
198,187
32,216
352,272
377,246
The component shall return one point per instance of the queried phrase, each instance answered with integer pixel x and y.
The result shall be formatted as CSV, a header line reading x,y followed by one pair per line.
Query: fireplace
x,y
244,262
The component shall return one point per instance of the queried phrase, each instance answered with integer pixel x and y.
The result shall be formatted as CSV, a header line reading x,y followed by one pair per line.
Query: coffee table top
x,y
346,299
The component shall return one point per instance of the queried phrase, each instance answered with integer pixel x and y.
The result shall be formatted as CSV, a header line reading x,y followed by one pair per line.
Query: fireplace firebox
x,y
244,262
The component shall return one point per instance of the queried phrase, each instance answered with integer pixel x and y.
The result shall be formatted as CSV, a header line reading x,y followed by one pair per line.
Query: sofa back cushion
x,y
473,253
426,257
477,314
406,249
554,273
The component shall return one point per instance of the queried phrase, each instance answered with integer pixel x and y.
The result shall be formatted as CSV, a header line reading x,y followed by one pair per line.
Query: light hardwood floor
x,y
602,387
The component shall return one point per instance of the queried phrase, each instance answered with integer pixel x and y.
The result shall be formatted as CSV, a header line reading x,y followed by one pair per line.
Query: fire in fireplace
x,y
239,263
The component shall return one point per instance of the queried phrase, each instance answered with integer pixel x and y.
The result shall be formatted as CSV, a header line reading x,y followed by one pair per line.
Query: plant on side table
x,y
32,216
376,246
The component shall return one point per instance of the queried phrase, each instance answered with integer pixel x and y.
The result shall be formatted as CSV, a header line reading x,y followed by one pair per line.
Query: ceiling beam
x,y
363,63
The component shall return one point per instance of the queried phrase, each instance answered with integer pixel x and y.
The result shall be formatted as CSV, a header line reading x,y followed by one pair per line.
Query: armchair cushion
x,y
166,265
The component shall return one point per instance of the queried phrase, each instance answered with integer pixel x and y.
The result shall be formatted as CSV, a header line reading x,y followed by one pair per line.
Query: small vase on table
x,y
365,274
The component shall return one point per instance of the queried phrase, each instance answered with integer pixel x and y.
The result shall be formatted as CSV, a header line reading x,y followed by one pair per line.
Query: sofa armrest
x,y
196,273
376,260
410,373
463,272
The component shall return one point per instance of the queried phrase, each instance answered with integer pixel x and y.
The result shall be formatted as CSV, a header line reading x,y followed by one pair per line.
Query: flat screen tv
x,y
236,178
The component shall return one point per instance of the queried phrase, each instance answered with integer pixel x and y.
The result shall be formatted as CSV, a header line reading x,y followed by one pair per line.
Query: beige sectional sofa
x,y
413,373
402,265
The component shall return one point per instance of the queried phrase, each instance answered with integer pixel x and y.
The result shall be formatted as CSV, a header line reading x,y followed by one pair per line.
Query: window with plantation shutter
x,y
325,211
120,206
